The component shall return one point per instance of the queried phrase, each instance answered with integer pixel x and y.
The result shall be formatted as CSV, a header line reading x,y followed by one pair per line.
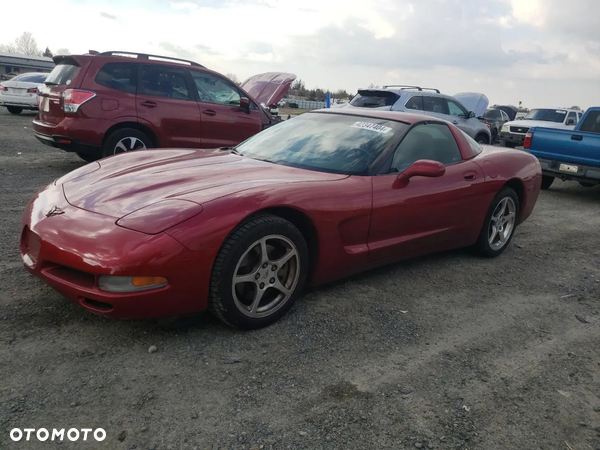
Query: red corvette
x,y
240,231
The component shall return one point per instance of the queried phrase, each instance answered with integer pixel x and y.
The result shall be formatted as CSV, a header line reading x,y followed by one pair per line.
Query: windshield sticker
x,y
371,126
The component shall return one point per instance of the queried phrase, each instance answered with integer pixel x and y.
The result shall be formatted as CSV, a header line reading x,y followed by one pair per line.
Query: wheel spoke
x,y
121,147
132,142
494,234
249,278
281,288
257,299
285,258
264,254
507,218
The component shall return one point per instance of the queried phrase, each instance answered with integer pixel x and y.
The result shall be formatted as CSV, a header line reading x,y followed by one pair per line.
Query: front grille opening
x,y
76,277
95,304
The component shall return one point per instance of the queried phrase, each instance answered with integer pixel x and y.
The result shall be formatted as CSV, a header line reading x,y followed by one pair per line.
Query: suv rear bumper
x,y
67,136
585,174
66,143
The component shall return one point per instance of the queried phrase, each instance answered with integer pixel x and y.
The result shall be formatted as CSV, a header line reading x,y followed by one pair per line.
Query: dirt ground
x,y
449,351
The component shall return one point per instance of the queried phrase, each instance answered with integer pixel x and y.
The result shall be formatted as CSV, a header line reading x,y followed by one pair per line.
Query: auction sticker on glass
x,y
371,126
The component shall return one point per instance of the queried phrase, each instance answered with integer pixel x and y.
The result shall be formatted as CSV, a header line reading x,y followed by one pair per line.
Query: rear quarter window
x,y
63,73
118,76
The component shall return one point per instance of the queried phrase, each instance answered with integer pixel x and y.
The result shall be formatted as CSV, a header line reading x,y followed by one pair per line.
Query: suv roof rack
x,y
149,57
406,86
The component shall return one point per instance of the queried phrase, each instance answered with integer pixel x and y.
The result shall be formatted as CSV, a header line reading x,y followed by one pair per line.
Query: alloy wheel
x,y
128,144
502,223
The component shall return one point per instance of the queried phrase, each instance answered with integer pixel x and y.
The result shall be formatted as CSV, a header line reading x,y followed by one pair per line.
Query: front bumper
x,y
513,138
585,174
72,248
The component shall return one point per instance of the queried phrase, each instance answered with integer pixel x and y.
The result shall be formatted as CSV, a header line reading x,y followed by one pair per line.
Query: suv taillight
x,y
527,140
74,98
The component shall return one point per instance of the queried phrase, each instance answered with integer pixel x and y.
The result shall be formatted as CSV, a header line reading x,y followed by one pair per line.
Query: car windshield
x,y
31,78
548,115
325,142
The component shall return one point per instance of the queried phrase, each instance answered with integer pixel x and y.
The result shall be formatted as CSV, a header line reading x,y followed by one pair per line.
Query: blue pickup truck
x,y
568,154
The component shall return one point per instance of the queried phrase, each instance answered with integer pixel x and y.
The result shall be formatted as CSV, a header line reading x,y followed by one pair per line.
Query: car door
x,y
165,102
224,122
425,213
435,106
460,116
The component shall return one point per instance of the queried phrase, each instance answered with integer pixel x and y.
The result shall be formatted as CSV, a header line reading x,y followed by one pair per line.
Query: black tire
x,y
14,110
483,243
89,157
131,137
586,184
482,139
221,298
547,181
494,135
509,144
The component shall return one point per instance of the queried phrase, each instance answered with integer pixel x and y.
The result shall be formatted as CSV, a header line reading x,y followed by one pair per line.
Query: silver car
x,y
462,109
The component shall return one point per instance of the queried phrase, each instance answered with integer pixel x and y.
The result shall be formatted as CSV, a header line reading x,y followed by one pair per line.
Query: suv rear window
x,y
374,99
119,76
62,74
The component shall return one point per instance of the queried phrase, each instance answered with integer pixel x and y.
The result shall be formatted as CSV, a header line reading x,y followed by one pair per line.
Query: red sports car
x,y
240,231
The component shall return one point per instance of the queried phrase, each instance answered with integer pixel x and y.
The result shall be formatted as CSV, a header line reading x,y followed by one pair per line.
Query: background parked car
x,y
495,118
106,103
431,102
20,92
513,132
8,76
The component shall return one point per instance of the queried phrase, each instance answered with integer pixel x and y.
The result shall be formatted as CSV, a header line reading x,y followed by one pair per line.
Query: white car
x,y
20,92
513,133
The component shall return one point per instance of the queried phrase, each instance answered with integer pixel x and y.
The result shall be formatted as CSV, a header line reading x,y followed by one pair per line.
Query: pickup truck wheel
x,y
500,223
508,144
547,181
588,185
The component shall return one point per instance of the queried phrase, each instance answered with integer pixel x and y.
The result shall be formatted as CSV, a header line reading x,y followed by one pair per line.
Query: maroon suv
x,y
105,103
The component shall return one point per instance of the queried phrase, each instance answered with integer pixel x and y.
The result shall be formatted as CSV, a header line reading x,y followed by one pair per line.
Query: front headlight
x,y
117,284
505,128
160,216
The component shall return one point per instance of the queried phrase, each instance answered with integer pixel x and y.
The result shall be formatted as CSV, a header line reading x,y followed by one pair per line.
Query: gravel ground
x,y
449,351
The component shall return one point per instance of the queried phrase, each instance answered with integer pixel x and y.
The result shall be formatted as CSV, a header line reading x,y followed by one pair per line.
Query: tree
x,y
298,85
63,51
26,45
373,86
233,77
576,108
7,49
47,53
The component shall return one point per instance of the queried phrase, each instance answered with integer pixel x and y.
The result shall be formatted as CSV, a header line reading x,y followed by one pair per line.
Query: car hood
x,y
535,123
121,184
268,88
473,101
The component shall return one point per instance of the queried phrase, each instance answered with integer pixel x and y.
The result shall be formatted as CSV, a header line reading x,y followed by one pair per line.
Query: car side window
x,y
118,76
571,117
213,89
435,104
432,141
504,116
163,81
591,123
415,102
456,110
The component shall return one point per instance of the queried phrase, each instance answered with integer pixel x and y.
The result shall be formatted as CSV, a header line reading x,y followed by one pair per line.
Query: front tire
x,y
508,144
258,273
482,139
14,110
500,223
547,181
125,140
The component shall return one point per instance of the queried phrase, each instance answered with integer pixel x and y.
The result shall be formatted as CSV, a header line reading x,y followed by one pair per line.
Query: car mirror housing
x,y
471,114
421,168
570,121
245,104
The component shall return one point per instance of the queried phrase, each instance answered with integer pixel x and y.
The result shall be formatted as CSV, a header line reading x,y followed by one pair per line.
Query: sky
x,y
543,53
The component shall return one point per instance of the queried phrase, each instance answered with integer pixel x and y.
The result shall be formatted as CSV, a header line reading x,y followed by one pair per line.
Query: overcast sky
x,y
540,52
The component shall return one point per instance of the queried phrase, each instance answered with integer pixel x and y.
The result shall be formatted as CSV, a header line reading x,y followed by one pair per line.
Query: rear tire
x,y
508,144
88,156
586,184
125,140
494,135
258,273
547,181
500,223
14,110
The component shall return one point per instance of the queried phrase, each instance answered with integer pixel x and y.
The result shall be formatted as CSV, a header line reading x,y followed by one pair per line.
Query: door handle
x,y
576,137
209,112
149,104
470,175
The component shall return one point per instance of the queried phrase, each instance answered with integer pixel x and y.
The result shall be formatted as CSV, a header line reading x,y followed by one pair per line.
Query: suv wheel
x,y
482,139
125,140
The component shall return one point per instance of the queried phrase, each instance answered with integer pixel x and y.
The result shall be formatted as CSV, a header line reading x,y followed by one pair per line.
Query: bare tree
x,y
26,45
233,77
63,51
8,49
373,86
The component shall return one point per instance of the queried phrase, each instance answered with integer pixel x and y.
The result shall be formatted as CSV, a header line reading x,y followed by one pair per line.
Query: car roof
x,y
409,91
397,116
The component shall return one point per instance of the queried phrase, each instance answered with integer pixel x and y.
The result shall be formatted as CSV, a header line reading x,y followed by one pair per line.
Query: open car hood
x,y
473,101
268,88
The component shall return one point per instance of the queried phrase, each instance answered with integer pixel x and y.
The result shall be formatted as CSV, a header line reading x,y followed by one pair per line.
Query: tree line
x,y
26,45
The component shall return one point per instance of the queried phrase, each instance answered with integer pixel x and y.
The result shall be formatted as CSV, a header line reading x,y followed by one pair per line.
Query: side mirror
x,y
570,121
471,114
245,104
420,168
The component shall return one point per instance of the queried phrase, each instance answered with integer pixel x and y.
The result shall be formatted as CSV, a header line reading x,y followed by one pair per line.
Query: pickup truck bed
x,y
568,154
